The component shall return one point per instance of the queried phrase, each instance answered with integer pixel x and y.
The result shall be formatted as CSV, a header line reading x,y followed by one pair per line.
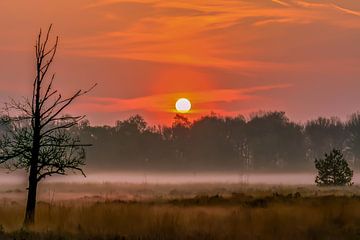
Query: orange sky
x,y
230,57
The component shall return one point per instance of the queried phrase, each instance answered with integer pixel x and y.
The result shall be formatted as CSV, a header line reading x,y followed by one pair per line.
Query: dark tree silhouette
x,y
324,134
333,170
274,141
236,128
267,141
180,134
352,127
38,137
211,140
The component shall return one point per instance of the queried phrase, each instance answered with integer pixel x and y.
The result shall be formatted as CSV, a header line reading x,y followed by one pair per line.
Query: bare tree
x,y
36,135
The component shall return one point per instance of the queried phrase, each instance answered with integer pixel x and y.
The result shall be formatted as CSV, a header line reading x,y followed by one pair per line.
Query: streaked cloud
x,y
281,3
346,10
143,53
204,102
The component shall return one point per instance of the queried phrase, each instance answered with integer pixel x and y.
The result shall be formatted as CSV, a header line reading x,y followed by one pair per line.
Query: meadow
x,y
186,211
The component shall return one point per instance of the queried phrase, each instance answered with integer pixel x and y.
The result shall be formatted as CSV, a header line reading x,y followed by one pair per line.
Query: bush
x,y
333,170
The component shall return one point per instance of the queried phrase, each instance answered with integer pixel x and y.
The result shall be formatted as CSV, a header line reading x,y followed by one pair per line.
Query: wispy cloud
x,y
143,53
165,102
281,3
326,5
346,10
176,31
311,4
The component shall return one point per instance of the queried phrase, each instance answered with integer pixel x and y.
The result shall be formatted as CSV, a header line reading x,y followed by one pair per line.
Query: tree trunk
x,y
33,181
31,199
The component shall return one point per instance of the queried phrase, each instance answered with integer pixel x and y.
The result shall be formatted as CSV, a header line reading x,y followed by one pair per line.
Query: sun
x,y
183,105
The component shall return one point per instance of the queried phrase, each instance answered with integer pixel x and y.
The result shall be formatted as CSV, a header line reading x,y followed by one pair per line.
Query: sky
x,y
229,57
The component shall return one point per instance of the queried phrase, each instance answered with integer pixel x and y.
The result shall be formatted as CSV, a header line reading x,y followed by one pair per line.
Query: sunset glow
x,y
230,57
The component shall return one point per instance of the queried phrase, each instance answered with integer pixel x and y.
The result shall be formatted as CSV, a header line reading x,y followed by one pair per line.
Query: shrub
x,y
333,170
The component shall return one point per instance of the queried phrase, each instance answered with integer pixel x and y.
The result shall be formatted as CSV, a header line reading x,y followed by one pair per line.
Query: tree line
x,y
265,141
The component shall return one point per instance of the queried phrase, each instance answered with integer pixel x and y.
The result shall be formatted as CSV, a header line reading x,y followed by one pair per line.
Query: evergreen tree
x,y
333,170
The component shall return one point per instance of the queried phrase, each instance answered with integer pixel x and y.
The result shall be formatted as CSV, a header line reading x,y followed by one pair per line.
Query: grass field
x,y
197,211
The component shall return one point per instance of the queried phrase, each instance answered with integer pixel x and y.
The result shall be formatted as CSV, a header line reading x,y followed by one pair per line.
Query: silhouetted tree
x,y
134,125
236,128
180,135
37,136
324,134
210,138
269,140
333,170
129,142
274,141
352,127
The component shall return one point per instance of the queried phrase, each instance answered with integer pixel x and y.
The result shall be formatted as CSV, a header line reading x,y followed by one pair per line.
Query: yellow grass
x,y
265,213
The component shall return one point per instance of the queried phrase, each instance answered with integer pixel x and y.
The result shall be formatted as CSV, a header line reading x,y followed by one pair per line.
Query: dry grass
x,y
222,213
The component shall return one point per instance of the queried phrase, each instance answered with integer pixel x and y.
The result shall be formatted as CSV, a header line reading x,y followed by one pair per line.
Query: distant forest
x,y
267,141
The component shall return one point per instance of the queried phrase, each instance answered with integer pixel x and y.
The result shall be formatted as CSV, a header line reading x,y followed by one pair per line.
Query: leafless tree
x,y
36,136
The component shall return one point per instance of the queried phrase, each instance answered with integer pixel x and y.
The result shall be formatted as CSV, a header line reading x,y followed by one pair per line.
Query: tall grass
x,y
235,216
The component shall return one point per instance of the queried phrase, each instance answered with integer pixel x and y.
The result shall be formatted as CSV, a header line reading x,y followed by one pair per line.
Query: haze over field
x,y
177,178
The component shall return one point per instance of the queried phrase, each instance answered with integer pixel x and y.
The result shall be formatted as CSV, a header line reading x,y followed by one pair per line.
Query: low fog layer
x,y
177,178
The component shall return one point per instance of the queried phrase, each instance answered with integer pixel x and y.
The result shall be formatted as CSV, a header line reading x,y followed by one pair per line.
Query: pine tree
x,y
333,170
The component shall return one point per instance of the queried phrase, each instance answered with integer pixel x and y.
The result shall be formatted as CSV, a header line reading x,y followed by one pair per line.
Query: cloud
x,y
327,5
198,33
141,52
346,10
311,4
282,3
165,102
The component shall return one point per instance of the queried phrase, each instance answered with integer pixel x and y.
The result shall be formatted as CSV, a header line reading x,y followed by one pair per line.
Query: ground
x,y
187,211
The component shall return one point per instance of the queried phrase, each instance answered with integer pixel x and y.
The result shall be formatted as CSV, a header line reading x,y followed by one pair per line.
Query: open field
x,y
186,211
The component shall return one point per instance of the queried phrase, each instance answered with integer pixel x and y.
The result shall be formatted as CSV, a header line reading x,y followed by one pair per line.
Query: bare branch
x,y
37,137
